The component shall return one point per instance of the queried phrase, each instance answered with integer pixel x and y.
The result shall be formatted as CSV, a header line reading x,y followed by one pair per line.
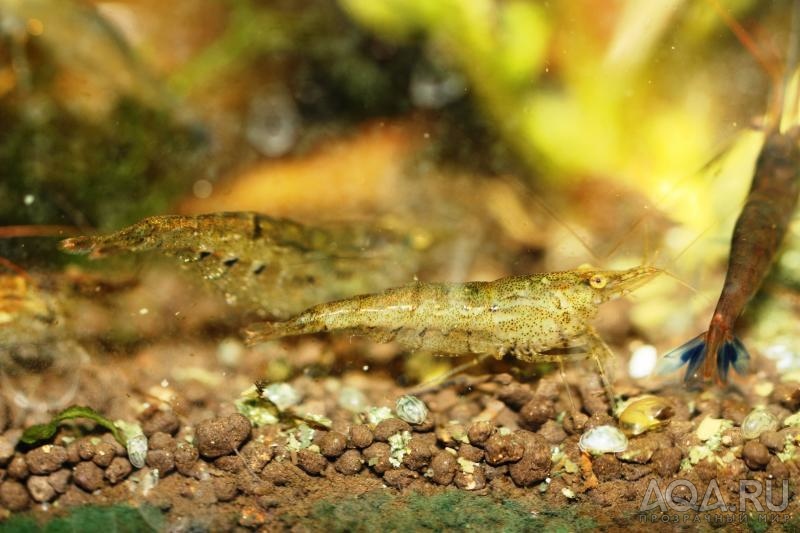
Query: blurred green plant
x,y
91,519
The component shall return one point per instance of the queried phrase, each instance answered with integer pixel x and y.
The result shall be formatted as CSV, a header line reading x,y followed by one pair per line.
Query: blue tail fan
x,y
732,353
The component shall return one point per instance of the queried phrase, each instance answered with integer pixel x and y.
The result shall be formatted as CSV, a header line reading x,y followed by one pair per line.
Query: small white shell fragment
x,y
411,409
764,389
230,352
282,395
603,439
757,422
352,399
376,415
709,427
643,361
569,493
137,450
792,420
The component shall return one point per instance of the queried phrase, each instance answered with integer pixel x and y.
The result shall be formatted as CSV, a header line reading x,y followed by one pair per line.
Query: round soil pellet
x,y
6,449
443,468
475,480
350,463
46,459
419,453
18,468
162,460
774,440
119,469
161,441
666,461
88,476
60,480
536,412
161,421
390,426
186,457
479,432
311,462
399,478
534,466
424,426
220,436
515,395
103,455
470,453
40,490
574,423
361,436
787,394
755,455
119,449
225,488
777,469
85,448
332,444
501,449
256,455
14,496
553,432
607,467
377,457
228,463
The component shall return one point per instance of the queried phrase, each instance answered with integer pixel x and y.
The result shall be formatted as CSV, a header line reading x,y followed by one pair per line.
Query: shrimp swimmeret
x,y
535,318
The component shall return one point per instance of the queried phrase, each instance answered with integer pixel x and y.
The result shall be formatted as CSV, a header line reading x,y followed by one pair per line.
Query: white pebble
x,y
603,439
642,362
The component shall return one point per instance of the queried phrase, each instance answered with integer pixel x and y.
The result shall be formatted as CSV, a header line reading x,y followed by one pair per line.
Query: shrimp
x,y
275,266
757,236
536,318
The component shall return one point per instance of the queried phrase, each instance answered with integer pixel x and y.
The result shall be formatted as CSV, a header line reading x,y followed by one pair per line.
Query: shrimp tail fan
x,y
730,353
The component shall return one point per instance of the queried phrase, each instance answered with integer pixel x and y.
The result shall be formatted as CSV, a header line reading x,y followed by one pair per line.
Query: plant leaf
x,y
46,431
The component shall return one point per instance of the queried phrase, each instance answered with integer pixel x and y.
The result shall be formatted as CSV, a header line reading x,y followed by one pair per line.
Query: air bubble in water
x,y
41,376
273,123
434,87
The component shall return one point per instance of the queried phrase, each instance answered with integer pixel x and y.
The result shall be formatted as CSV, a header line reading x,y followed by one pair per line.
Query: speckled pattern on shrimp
x,y
526,316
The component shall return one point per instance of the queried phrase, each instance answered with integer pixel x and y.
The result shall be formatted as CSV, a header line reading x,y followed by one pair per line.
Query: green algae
x,y
451,510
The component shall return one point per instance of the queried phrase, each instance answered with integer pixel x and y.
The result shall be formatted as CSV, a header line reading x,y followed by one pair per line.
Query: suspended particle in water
x,y
433,86
41,376
273,124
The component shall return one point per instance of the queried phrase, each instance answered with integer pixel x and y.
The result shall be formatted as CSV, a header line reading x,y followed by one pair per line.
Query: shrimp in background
x,y
757,236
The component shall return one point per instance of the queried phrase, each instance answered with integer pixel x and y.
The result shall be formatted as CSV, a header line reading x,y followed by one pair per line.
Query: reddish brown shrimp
x,y
757,236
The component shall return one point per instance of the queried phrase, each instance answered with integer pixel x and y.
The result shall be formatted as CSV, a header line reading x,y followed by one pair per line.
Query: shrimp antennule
x,y
729,353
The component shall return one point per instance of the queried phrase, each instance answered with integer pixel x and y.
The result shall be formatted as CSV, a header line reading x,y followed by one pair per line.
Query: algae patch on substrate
x,y
451,510
91,519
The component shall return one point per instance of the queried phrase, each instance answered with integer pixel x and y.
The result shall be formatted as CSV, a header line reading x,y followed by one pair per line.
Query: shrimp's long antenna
x,y
790,107
534,195
10,232
14,267
744,37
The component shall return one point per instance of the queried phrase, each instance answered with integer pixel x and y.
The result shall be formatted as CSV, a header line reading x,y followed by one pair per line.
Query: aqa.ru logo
x,y
749,490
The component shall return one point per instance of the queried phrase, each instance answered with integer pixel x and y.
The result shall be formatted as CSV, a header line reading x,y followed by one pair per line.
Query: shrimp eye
x,y
598,281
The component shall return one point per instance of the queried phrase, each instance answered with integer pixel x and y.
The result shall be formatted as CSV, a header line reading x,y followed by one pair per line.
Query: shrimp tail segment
x,y
267,331
730,353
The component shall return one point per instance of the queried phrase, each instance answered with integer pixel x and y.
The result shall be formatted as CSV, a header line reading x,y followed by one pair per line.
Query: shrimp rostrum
x,y
536,318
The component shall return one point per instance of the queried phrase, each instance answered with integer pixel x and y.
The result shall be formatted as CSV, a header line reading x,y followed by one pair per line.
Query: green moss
x,y
90,519
105,175
451,510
